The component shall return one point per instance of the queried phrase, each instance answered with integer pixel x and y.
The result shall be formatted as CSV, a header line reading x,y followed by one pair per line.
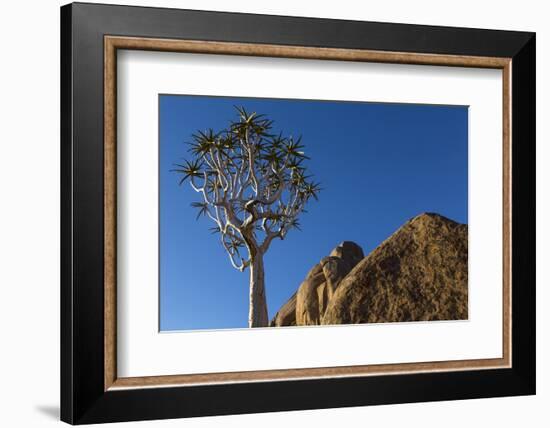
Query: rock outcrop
x,y
322,282
308,304
420,273
286,315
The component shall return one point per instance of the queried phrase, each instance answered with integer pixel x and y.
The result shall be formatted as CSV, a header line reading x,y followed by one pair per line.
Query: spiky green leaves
x,y
202,207
233,244
311,190
253,182
294,149
294,223
251,125
188,169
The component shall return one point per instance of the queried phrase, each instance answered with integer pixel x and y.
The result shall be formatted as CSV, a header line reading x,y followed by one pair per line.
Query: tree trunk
x,y
257,314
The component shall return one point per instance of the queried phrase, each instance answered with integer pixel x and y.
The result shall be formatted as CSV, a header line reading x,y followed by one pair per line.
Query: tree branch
x,y
253,184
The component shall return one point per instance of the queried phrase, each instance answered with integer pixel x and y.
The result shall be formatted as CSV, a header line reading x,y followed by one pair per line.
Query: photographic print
x,y
288,212
296,183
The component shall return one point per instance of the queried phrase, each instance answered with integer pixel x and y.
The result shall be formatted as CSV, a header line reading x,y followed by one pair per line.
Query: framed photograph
x,y
266,213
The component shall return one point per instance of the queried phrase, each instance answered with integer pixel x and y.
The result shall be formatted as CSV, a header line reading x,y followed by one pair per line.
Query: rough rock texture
x,y
419,273
286,315
309,303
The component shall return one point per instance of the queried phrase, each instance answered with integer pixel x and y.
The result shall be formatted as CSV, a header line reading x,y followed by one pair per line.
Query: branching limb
x,y
253,184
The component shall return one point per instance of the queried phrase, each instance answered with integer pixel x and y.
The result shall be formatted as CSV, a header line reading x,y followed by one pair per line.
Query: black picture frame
x,y
83,398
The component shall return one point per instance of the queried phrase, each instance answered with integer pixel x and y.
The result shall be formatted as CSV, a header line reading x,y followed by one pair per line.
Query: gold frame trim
x,y
112,43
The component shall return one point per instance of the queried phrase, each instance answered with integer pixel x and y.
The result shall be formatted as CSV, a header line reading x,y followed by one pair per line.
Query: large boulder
x,y
420,273
312,297
348,251
334,270
307,300
286,315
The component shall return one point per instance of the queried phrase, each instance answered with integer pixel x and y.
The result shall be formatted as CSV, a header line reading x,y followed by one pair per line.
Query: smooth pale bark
x,y
257,314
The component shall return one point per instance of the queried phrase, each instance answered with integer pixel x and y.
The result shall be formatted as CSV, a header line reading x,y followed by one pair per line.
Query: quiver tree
x,y
253,186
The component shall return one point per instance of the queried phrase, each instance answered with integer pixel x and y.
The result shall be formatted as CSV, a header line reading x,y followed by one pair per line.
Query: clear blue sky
x,y
379,165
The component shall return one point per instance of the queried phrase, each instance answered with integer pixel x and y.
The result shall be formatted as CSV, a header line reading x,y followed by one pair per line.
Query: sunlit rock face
x,y
420,273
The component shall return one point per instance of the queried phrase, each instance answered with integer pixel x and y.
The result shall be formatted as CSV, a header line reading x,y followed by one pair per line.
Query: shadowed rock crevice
x,y
308,304
420,273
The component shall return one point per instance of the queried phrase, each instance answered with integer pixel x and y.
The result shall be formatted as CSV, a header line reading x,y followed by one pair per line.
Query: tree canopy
x,y
253,183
